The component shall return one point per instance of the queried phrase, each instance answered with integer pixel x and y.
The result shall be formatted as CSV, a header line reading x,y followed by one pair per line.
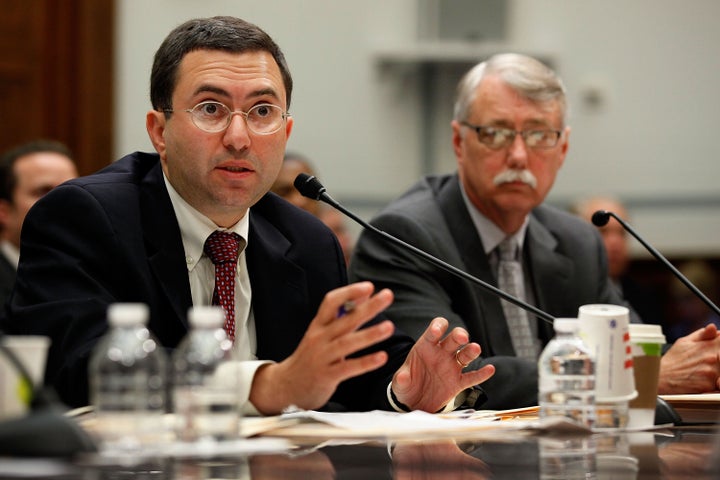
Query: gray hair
x,y
529,77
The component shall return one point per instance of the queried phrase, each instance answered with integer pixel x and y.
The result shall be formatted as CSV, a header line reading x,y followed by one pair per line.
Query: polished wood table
x,y
687,452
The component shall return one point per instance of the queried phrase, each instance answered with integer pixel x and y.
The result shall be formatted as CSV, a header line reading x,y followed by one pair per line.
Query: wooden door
x,y
56,76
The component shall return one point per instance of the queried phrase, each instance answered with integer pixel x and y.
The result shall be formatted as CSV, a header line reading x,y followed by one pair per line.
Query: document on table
x,y
384,424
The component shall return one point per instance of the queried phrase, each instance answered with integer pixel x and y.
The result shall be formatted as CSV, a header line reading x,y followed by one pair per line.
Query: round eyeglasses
x,y
497,137
213,117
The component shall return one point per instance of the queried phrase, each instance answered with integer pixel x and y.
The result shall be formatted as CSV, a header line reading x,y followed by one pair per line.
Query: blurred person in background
x,y
688,312
294,164
27,172
646,301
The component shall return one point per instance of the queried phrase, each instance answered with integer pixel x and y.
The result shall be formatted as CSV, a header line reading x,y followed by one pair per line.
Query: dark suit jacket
x,y
565,255
113,237
7,278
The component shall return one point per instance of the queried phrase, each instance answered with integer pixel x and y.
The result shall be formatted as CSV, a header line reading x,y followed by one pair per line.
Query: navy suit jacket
x,y
565,256
113,237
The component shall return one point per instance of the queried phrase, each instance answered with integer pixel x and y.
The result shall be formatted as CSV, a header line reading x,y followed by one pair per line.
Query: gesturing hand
x,y
309,376
692,365
432,373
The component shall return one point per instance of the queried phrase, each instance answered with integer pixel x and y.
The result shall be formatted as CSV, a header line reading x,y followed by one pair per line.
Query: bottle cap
x,y
566,325
206,316
127,314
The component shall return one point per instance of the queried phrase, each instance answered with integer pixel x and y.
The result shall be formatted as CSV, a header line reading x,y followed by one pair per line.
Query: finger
x,y
358,340
337,298
467,353
476,377
360,314
352,367
435,331
709,332
457,338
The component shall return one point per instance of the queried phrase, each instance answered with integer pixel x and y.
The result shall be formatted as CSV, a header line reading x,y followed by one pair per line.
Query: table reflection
x,y
678,453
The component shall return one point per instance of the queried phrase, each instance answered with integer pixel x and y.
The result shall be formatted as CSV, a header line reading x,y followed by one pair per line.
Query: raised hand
x,y
432,374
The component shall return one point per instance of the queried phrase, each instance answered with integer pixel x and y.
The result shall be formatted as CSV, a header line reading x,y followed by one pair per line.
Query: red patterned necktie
x,y
223,249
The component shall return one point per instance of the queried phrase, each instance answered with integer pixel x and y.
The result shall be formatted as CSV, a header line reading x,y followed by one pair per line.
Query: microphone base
x,y
44,433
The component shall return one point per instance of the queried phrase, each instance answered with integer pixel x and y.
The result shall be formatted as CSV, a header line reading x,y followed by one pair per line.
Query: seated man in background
x,y
688,312
689,367
293,165
510,138
27,172
136,232
646,302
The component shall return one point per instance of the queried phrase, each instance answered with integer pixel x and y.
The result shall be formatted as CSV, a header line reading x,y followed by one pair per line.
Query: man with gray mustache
x,y
510,137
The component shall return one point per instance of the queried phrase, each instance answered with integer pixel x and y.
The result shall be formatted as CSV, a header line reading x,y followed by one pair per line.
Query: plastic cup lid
x,y
646,333
566,324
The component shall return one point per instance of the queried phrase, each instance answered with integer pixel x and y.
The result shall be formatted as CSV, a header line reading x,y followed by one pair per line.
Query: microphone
x,y
310,187
602,217
44,431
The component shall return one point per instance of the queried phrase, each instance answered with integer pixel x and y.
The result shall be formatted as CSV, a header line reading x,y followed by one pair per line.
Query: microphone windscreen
x,y
309,186
600,218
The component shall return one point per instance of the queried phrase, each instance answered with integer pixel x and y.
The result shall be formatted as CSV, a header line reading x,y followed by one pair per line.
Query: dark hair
x,y
228,34
8,181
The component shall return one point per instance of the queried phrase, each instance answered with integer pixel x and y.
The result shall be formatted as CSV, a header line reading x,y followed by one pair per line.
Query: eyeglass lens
x,y
215,117
503,137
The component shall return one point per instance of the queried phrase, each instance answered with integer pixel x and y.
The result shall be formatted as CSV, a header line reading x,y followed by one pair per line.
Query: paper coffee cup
x,y
15,394
646,345
604,329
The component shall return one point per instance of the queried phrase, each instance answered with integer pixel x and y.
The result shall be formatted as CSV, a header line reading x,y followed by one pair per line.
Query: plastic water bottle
x,y
568,457
567,375
206,380
127,372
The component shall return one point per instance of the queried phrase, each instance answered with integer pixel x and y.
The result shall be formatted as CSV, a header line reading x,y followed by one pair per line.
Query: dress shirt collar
x,y
11,252
196,227
490,234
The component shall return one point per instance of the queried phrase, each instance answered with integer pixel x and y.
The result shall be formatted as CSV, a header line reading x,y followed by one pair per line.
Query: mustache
x,y
524,176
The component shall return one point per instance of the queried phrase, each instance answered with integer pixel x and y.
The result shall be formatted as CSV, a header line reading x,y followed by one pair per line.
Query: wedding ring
x,y
457,358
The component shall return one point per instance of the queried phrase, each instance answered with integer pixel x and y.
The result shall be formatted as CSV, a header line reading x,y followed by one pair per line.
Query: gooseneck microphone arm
x,y
310,187
602,217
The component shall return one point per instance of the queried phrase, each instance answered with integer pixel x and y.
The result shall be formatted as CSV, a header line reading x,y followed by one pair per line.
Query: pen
x,y
346,308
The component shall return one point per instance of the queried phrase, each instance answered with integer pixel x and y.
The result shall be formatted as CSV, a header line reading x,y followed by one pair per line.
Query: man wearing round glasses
x,y
136,232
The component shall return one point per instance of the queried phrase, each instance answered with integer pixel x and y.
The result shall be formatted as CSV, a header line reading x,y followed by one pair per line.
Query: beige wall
x,y
651,140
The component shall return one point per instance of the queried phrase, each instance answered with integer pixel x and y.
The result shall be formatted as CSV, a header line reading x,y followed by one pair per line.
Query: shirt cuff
x,y
245,370
451,406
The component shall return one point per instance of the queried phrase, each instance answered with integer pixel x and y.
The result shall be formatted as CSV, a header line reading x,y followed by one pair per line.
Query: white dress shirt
x,y
11,252
194,229
491,235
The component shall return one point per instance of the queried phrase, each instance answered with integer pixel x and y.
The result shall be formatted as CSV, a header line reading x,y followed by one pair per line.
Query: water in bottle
x,y
127,372
206,380
568,457
567,375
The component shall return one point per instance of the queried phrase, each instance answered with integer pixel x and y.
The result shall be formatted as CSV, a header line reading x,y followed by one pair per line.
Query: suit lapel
x,y
550,270
163,243
492,332
271,272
